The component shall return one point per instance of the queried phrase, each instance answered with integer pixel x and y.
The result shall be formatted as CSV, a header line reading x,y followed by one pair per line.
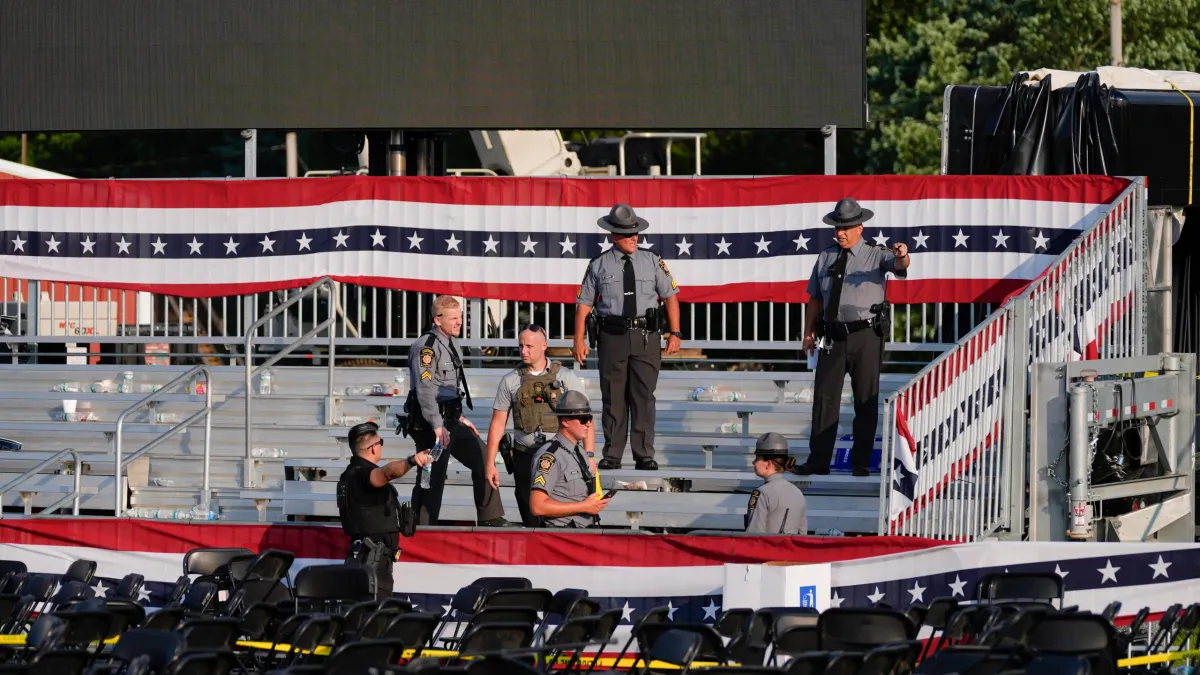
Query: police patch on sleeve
x,y
663,264
427,357
753,501
545,462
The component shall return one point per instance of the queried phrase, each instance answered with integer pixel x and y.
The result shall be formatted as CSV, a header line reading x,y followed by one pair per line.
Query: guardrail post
x,y
1015,395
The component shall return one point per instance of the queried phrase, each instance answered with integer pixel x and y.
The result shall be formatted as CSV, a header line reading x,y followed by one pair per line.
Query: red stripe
x,y
593,193
518,547
898,291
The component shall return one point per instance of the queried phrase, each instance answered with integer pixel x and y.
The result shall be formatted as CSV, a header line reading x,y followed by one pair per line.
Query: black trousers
x,y
861,356
379,567
629,365
468,449
523,478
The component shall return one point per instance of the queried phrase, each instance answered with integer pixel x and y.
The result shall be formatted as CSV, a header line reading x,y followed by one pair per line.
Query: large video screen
x,y
77,65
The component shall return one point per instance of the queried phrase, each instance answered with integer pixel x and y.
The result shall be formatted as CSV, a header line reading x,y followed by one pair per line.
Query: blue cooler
x,y
841,454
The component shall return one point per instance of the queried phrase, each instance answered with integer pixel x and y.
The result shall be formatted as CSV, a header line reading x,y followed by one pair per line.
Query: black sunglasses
x,y
582,419
533,327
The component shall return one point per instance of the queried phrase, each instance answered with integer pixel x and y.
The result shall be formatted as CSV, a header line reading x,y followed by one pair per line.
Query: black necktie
x,y
838,272
630,290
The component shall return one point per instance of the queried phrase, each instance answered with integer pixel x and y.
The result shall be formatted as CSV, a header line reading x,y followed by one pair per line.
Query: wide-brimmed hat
x,y
771,444
622,220
573,403
848,213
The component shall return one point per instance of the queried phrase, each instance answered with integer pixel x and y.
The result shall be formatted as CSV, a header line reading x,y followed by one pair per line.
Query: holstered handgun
x,y
506,451
881,323
592,328
412,421
408,520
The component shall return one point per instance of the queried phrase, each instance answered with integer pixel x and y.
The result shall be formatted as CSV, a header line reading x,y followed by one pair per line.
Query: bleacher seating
x,y
326,621
703,482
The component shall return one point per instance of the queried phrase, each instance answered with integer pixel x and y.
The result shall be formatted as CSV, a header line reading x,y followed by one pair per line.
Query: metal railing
x,y
671,137
323,283
205,413
78,487
966,411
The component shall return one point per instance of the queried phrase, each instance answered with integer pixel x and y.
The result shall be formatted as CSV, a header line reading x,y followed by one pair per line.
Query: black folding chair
x,y
329,588
415,630
1078,635
128,588
1021,586
495,637
731,623
492,584
677,648
859,630
80,570
712,647
465,603
358,657
160,647
652,616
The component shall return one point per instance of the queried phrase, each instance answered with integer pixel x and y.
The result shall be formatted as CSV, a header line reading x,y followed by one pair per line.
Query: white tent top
x,y
13,170
1122,78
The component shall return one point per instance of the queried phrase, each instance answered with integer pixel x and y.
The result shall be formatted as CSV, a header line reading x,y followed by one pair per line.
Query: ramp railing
x,y
954,460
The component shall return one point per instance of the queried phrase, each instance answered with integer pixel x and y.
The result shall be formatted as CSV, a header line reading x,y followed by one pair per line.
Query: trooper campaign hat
x,y
771,444
848,213
622,220
573,403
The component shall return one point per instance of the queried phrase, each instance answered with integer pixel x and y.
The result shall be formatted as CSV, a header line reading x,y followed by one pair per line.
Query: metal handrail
x,y
247,478
671,137
37,469
206,413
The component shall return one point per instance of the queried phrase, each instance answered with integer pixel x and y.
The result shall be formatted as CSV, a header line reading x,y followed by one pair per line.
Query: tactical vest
x,y
362,520
536,399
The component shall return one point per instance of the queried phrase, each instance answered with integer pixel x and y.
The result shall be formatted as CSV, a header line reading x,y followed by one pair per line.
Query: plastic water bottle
x,y
71,387
732,427
166,418
358,391
126,384
833,532
102,387
267,453
715,393
350,420
426,472
400,383
264,383
151,388
802,396
198,512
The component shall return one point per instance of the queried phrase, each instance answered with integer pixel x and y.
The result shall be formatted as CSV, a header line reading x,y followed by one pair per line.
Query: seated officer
x,y
777,506
564,491
369,507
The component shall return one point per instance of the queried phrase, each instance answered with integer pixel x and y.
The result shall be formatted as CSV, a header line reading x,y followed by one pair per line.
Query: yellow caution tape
x,y
1157,658
1191,137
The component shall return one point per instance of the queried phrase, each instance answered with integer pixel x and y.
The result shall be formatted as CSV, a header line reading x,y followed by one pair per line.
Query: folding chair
x,y
415,630
652,616
465,603
495,637
358,657
731,623
712,647
859,630
128,588
1044,587
80,570
1079,635
327,588
677,648
492,584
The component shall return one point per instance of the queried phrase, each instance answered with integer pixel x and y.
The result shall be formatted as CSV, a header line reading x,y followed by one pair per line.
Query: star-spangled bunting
x,y
469,243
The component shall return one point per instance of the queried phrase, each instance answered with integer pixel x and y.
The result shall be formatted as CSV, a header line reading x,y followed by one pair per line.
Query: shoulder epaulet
x,y
831,247
598,256
432,338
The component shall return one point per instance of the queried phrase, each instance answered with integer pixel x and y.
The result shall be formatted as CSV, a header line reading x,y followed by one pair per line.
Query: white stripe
x,y
889,215
777,269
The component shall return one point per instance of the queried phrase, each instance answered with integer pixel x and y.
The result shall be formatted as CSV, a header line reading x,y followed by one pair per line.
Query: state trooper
x,y
370,509
433,412
623,287
564,492
530,392
848,318
777,506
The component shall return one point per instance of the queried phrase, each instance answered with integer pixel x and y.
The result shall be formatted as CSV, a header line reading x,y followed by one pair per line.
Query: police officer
x,y
531,393
848,316
564,490
369,508
434,413
623,286
777,506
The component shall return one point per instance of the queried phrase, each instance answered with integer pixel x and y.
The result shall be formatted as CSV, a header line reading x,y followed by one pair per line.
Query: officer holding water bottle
x,y
369,507
434,419
846,321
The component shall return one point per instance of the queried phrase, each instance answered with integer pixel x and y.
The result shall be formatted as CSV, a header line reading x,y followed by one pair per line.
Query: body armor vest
x,y
363,520
536,399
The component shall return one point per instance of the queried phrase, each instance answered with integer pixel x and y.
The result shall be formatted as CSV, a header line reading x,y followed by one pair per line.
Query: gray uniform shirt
x,y
560,475
768,505
606,275
866,267
507,391
434,374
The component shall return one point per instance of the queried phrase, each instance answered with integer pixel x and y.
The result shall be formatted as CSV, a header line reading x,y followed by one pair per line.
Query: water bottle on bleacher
x,y
427,472
715,393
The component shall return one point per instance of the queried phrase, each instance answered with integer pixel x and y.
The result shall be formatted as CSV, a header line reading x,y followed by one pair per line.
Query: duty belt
x,y
614,321
839,329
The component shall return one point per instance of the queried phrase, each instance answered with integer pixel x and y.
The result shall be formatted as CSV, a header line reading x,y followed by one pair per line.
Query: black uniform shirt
x,y
356,481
